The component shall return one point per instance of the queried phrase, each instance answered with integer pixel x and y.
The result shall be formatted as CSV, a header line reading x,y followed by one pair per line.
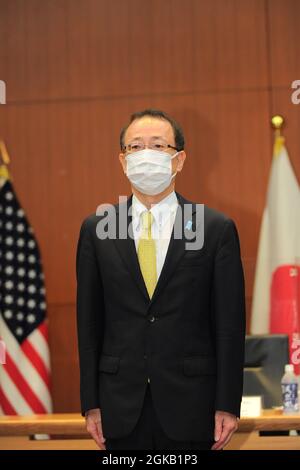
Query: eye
x,y
158,146
136,147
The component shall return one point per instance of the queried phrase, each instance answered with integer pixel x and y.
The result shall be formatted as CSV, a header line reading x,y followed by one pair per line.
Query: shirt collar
x,y
161,211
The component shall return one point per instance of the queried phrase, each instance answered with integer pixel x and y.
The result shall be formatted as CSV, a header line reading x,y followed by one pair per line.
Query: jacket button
x,y
148,380
145,356
152,319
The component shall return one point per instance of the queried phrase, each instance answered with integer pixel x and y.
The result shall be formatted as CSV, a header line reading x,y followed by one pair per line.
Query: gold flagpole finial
x,y
4,161
277,122
4,153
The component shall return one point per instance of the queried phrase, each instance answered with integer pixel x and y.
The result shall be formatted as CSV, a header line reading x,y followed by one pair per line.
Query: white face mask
x,y
150,171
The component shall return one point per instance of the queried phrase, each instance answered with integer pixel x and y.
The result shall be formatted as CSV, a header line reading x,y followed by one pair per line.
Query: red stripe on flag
x,y
43,328
285,306
25,390
36,360
6,405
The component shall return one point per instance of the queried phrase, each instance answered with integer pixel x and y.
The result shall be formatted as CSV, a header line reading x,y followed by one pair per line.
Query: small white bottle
x,y
289,388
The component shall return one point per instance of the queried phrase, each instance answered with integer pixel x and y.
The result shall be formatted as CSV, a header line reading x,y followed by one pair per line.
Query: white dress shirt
x,y
163,220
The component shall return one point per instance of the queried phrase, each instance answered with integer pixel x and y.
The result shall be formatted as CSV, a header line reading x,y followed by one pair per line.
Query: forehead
x,y
147,127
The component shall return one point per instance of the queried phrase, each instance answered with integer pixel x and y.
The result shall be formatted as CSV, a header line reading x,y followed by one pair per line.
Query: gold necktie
x,y
147,253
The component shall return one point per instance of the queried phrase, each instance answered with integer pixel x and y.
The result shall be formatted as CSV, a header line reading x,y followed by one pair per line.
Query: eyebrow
x,y
152,137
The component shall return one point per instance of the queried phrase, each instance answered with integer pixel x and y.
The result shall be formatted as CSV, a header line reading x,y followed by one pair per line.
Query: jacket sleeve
x,y
90,317
229,320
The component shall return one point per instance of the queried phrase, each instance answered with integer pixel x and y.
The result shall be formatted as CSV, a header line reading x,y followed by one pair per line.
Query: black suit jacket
x,y
188,338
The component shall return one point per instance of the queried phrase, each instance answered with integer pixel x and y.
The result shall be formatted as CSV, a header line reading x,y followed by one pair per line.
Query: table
x,y
67,431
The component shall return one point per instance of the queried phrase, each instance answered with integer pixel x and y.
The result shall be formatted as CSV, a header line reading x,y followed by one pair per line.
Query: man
x,y
161,323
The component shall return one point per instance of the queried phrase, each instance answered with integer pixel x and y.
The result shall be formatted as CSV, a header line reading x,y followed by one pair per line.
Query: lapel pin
x,y
188,225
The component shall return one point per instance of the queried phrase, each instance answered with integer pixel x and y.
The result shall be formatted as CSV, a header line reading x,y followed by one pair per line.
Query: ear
x,y
180,159
122,161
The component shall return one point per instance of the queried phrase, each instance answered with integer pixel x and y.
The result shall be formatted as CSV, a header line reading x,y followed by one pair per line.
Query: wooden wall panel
x,y
64,357
282,104
66,49
76,69
283,24
285,68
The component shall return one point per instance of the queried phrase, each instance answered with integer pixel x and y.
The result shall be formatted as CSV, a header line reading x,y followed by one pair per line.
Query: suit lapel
x,y
176,249
126,246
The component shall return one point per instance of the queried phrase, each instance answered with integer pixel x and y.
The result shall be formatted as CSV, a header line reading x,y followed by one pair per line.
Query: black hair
x,y
156,113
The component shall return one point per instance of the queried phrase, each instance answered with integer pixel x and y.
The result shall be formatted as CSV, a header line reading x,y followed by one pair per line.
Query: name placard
x,y
251,406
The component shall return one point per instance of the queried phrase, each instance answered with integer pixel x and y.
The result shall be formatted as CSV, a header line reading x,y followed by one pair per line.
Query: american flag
x,y
25,377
